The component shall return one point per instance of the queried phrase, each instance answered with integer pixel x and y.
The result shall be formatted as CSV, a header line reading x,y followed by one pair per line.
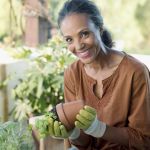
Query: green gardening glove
x,y
49,126
57,129
85,117
88,121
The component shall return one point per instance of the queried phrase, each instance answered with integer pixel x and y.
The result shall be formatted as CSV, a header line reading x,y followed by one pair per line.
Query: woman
x,y
112,82
114,85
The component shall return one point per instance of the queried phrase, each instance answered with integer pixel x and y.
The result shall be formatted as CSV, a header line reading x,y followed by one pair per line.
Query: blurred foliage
x,y
42,85
119,18
11,21
16,136
142,15
54,8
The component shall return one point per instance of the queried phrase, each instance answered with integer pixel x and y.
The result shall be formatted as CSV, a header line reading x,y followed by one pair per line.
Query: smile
x,y
83,54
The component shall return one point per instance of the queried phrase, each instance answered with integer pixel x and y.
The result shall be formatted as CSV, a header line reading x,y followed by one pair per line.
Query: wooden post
x,y
42,145
4,93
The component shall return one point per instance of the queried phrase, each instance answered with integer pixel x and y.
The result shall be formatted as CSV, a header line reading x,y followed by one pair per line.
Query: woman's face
x,y
81,36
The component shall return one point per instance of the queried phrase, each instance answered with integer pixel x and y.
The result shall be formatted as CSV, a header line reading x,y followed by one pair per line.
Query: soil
x,y
54,114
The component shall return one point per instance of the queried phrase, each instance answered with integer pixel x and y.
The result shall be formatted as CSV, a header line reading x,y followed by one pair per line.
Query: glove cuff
x,y
75,134
97,128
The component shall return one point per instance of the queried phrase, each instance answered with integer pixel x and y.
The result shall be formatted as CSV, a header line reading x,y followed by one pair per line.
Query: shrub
x,y
42,86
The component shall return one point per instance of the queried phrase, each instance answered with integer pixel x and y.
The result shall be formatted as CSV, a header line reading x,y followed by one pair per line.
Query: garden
x,y
31,73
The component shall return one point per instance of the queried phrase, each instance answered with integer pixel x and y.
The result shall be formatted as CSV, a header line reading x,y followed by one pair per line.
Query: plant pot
x,y
67,112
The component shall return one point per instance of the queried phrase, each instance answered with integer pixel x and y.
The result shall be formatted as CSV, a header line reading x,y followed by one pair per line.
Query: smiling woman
x,y
114,85
81,37
99,77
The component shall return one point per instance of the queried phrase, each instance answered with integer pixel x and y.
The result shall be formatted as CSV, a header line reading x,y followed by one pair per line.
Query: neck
x,y
101,62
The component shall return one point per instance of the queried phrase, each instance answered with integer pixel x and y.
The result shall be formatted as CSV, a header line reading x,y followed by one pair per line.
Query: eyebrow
x,y
78,32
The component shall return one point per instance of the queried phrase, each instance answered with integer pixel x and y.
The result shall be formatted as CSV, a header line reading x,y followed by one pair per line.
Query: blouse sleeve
x,y
139,113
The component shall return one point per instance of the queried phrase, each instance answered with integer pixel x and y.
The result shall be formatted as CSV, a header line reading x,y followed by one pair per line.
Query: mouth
x,y
83,54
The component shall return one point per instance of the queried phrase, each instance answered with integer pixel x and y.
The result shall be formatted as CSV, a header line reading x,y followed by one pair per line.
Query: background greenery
x,y
42,85
15,136
127,20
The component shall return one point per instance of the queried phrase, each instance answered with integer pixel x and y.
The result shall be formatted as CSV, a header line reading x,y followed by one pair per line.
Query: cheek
x,y
91,42
70,48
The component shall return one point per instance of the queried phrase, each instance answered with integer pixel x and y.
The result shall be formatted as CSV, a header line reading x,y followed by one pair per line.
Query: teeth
x,y
82,54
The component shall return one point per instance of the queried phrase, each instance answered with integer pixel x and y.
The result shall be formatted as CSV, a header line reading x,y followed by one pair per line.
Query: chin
x,y
87,61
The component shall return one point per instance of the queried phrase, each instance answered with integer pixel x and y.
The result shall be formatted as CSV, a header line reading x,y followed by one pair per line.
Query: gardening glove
x,y
48,126
87,120
58,130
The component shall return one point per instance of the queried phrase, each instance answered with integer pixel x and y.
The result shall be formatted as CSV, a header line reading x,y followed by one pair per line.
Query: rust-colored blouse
x,y
125,101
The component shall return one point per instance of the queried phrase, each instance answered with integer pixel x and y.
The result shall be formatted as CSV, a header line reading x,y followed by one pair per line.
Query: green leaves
x,y
42,85
42,127
45,125
15,136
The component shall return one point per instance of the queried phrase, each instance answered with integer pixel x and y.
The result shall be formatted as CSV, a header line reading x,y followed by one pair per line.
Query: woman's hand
x,y
48,126
87,120
85,117
57,129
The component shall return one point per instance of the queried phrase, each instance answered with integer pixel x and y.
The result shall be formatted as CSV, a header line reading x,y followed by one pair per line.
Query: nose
x,y
79,45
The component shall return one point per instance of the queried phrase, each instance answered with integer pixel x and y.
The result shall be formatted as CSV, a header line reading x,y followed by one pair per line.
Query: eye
x,y
68,40
84,34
